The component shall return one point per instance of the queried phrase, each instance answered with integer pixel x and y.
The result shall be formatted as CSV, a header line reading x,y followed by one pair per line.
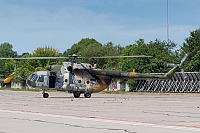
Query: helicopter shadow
x,y
54,97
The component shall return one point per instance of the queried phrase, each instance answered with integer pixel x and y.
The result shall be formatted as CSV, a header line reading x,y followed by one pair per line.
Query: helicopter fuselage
x,y
62,78
79,78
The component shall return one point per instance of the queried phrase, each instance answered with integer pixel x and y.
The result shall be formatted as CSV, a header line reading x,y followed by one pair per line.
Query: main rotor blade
x,y
77,57
132,56
34,58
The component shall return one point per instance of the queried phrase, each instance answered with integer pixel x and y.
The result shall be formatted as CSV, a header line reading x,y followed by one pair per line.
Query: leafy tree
x,y
91,48
26,67
9,66
6,51
161,52
78,48
87,48
46,51
139,48
24,55
192,45
112,50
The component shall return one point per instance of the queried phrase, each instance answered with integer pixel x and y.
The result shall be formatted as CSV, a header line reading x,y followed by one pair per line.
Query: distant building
x,y
117,85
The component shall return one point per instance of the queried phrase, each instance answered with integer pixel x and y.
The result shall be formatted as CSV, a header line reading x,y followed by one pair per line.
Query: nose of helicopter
x,y
30,80
30,83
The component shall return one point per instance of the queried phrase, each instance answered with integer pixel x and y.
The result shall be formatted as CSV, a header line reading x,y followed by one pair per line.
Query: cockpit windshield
x,y
33,77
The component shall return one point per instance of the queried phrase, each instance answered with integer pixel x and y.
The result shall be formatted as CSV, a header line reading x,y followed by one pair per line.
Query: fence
x,y
176,84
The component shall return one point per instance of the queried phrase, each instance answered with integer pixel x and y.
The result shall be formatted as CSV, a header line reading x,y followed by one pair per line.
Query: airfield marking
x,y
107,120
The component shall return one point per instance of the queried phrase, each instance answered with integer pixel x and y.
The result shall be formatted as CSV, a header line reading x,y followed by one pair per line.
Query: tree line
x,y
161,52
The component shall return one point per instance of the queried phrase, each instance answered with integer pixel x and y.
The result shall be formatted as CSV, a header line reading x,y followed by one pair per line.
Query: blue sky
x,y
29,24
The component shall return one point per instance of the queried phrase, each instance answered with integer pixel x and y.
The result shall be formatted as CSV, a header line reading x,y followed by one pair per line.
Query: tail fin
x,y
176,66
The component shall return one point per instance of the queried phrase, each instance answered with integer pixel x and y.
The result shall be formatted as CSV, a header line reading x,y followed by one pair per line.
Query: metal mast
x,y
167,22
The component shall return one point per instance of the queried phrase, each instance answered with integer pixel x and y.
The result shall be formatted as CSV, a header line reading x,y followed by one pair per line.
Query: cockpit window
x,y
31,76
34,78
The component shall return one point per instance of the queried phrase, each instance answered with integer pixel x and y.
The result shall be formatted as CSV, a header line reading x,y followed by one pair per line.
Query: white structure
x,y
116,86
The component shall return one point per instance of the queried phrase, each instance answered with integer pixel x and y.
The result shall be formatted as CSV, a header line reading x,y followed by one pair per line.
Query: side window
x,y
41,78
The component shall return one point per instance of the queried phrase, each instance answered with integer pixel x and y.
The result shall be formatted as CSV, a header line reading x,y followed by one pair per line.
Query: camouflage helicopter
x,y
83,78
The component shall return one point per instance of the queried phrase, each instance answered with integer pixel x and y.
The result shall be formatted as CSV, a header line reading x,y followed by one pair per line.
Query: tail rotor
x,y
175,66
180,66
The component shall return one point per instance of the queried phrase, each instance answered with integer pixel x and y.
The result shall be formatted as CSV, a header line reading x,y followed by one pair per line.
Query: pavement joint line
x,y
101,119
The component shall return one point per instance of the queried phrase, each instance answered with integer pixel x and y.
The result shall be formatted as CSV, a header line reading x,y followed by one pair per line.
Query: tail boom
x,y
140,76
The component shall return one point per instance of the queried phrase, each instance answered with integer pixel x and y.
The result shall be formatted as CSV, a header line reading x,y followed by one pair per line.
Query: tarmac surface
x,y
29,112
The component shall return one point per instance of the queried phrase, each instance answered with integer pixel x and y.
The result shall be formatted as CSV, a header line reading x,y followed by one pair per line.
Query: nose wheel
x,y
45,95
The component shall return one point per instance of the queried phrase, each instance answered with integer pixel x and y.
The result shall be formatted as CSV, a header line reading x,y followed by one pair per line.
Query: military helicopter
x,y
83,78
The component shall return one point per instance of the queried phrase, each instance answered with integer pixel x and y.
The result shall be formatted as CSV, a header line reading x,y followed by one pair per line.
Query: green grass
x,y
27,89
21,89
115,92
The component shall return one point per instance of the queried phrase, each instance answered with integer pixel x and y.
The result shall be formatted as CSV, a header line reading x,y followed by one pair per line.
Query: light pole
x,y
167,22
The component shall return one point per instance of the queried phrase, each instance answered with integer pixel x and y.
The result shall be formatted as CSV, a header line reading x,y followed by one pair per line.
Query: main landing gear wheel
x,y
45,95
77,94
87,95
